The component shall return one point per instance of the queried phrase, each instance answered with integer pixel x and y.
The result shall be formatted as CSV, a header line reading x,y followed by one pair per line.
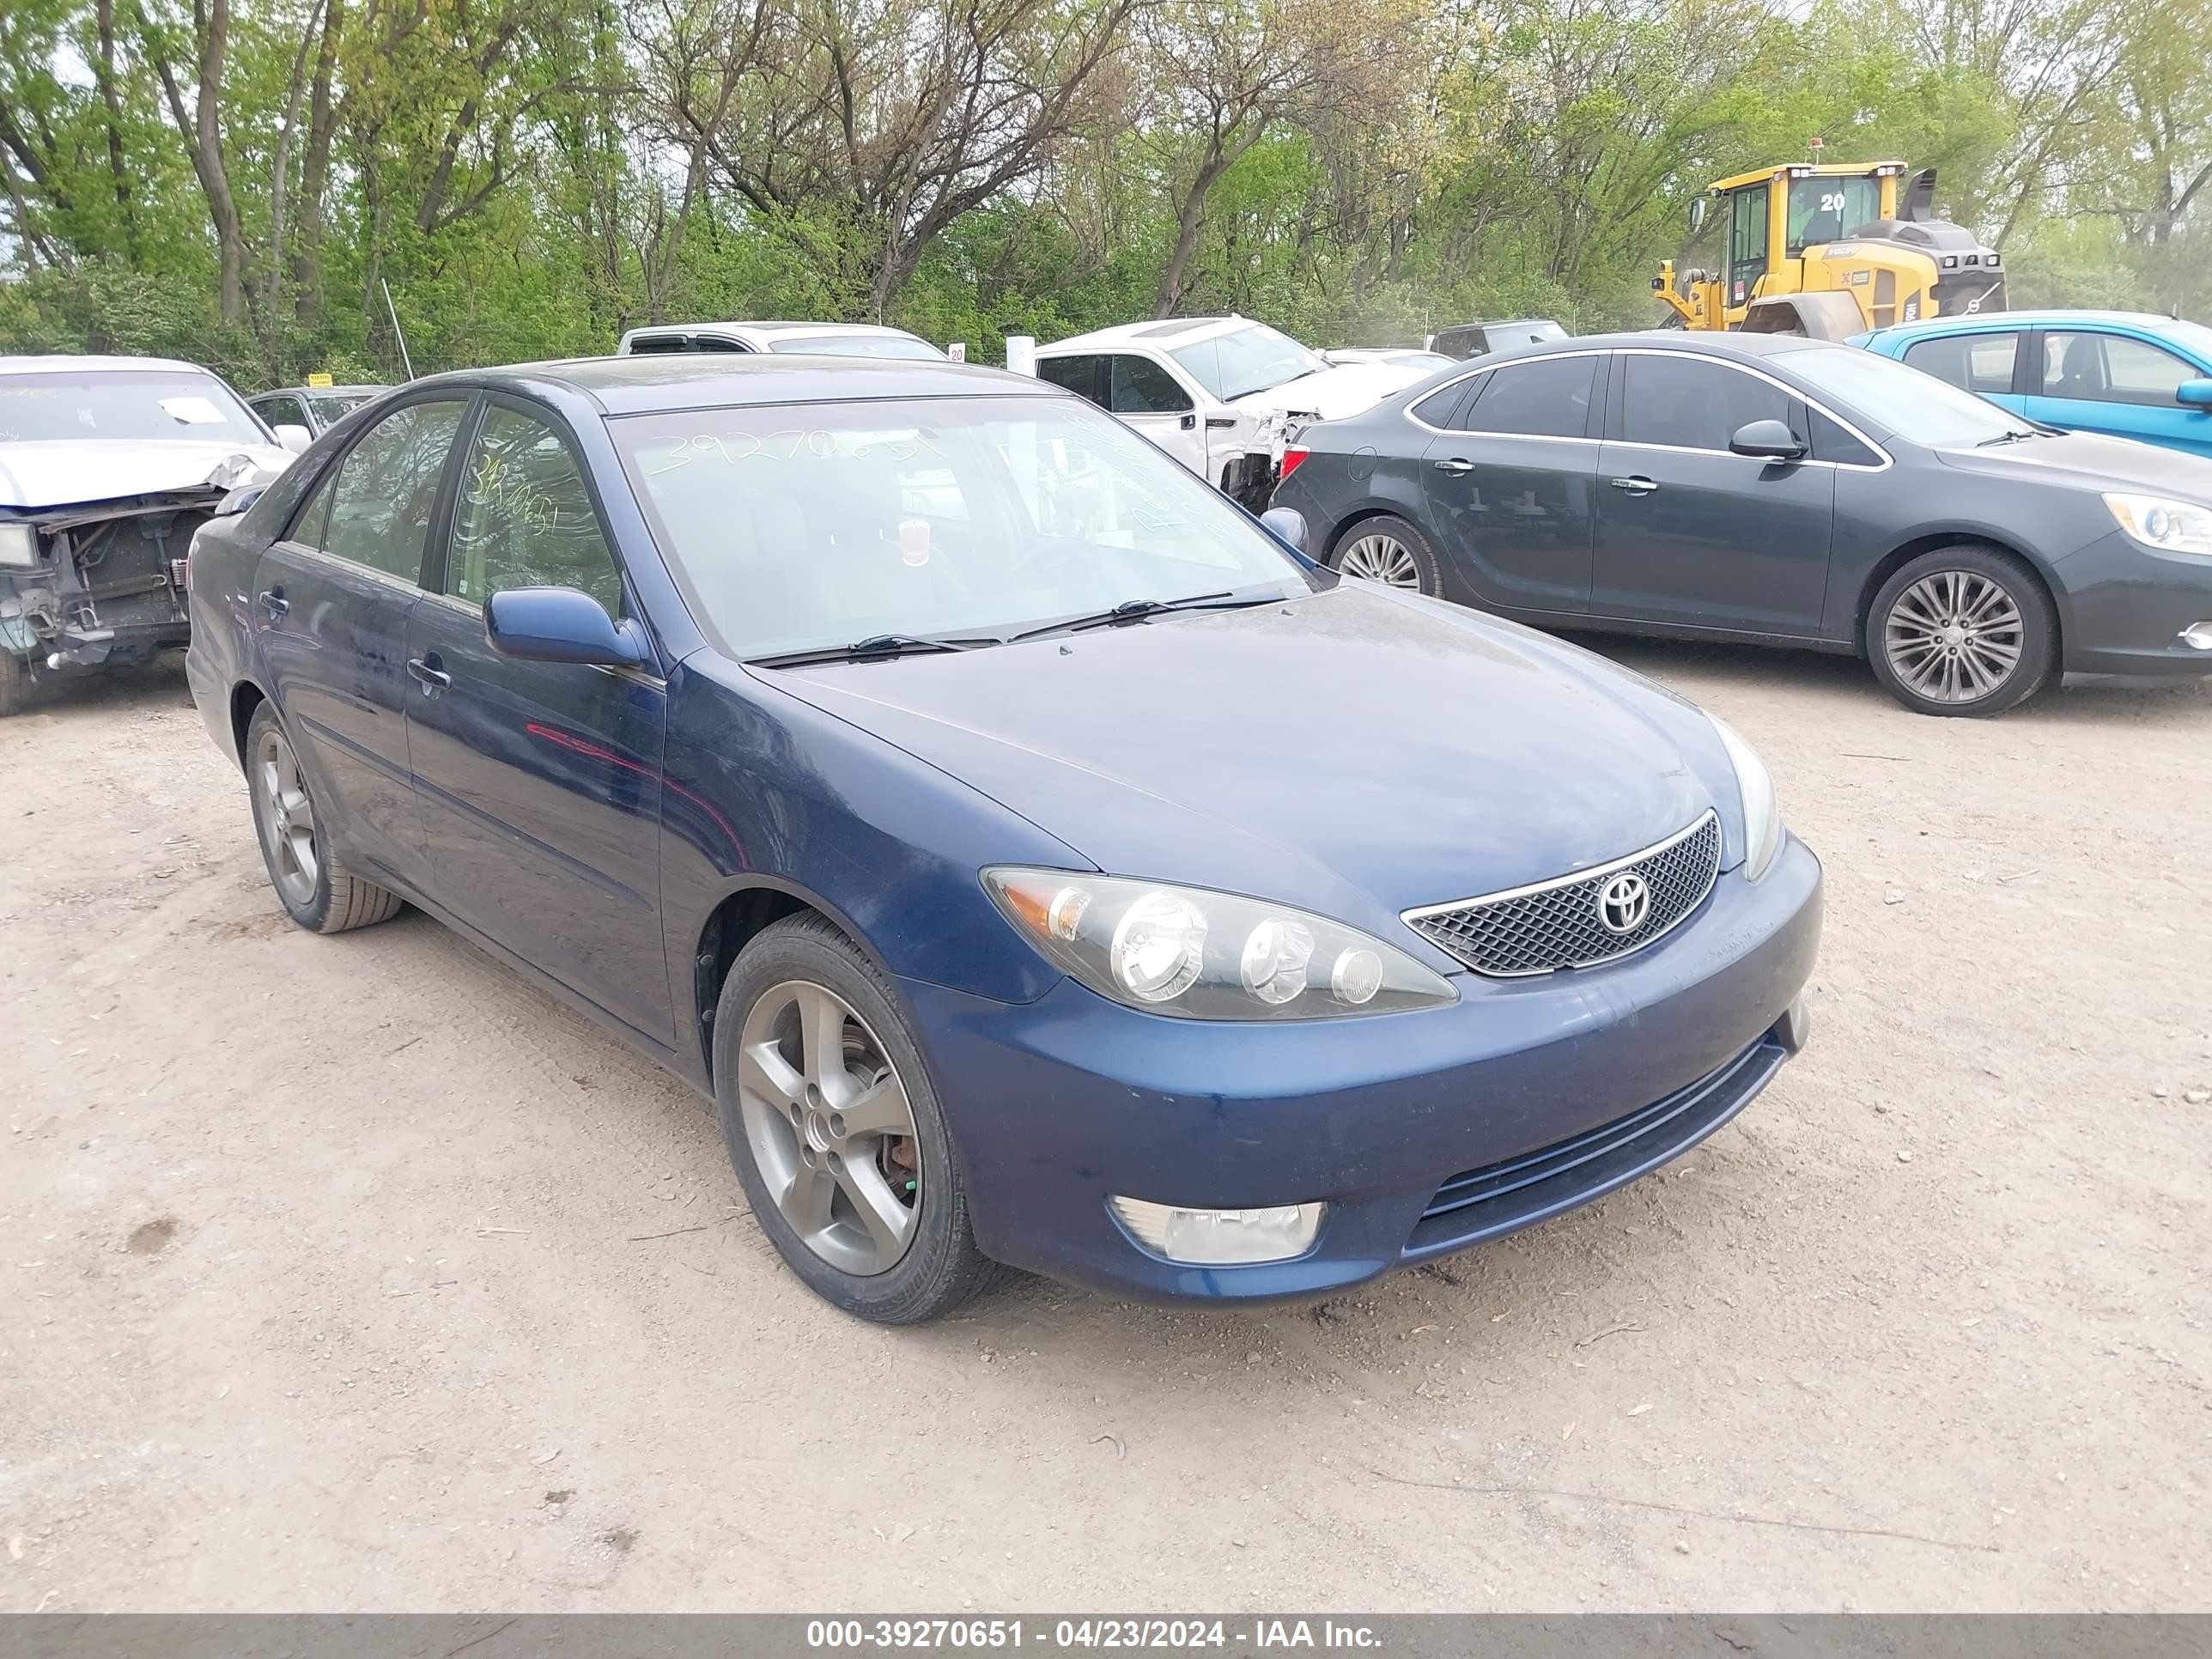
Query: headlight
x,y
18,544
1762,818
2169,526
1202,955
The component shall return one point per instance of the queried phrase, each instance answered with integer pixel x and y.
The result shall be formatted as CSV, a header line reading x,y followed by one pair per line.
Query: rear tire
x,y
1966,631
1390,551
317,890
871,1212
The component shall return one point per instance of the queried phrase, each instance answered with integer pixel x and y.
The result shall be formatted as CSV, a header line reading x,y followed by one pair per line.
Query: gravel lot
x,y
352,1273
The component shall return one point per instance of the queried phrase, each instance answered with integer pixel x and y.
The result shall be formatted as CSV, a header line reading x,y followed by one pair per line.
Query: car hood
x,y
71,471
2089,461
1332,393
1352,751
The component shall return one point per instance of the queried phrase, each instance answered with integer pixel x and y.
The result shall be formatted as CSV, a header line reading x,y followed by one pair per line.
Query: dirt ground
x,y
354,1274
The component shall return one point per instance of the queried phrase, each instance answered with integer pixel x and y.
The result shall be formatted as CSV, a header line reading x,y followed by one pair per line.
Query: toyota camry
x,y
957,790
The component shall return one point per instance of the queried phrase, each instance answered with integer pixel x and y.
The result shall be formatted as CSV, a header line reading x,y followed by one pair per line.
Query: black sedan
x,y
1775,490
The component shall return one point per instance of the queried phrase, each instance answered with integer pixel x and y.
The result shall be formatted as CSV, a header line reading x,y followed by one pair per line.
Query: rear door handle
x,y
1456,466
1637,485
273,601
434,679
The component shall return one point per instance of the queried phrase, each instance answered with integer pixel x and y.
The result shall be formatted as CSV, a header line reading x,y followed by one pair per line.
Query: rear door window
x,y
1974,363
388,487
1546,398
1084,375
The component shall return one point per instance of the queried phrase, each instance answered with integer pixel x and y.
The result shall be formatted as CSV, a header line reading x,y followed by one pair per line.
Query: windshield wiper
x,y
1131,610
874,648
2009,437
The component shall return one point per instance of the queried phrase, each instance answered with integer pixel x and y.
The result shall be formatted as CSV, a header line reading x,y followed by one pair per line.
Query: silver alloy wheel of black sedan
x,y
1382,558
829,1126
285,815
1954,636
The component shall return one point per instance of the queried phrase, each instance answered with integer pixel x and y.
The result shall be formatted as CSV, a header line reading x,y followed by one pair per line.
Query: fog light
x,y
1217,1237
2197,636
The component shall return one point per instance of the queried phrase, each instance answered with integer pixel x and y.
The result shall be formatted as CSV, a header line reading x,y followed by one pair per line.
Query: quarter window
x,y
1693,403
380,511
1975,362
1546,398
524,518
1138,386
2111,368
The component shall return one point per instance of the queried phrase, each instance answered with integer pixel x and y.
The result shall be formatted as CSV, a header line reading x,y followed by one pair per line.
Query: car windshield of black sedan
x,y
128,402
815,526
1915,405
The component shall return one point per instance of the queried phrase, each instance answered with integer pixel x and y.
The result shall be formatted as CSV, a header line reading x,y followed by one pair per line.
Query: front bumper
x,y
2127,607
1424,1132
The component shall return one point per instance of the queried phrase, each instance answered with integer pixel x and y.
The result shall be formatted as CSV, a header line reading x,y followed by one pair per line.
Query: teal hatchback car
x,y
2126,374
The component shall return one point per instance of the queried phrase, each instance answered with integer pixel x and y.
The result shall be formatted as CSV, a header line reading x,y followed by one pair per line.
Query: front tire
x,y
834,1131
14,682
316,889
1965,631
1390,551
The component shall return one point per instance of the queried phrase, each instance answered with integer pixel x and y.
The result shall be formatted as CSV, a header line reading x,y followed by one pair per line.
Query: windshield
x,y
335,406
2193,337
1826,210
1248,359
1914,405
123,402
902,346
822,525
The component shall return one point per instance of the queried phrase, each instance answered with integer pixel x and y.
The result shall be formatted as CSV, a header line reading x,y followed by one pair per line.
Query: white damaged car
x,y
107,466
1222,395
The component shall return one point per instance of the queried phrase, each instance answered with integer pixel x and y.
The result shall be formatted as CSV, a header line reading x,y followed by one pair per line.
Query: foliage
x,y
240,181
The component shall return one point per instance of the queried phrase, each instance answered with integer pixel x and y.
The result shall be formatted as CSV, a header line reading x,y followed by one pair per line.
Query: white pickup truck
x,y
1220,394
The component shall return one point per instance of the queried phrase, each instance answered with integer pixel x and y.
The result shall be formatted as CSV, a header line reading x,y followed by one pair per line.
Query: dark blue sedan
x,y
994,819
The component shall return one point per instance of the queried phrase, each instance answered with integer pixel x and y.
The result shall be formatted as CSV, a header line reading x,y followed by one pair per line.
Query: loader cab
x,y
1772,217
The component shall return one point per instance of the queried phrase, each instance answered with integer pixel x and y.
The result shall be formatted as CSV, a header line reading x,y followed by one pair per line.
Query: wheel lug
x,y
835,1162
838,1125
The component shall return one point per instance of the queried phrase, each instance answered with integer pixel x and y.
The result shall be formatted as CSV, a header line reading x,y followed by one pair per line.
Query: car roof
x,y
65,365
1157,333
785,327
319,391
2148,321
671,381
1701,341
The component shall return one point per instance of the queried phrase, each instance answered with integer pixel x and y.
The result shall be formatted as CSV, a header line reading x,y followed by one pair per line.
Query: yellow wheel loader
x,y
1808,229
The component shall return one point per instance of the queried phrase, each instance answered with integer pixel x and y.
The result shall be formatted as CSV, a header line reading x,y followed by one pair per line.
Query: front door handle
x,y
1456,466
1637,485
434,679
273,601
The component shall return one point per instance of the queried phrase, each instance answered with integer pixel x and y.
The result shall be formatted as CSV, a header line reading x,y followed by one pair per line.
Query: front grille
x,y
1564,923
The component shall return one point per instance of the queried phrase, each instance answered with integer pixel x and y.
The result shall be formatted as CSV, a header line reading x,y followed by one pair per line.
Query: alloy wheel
x,y
1954,636
287,816
829,1126
1383,559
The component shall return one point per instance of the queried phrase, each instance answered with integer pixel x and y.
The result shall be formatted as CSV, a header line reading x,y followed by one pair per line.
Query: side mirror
x,y
1287,525
2197,394
559,624
1767,440
1700,208
294,438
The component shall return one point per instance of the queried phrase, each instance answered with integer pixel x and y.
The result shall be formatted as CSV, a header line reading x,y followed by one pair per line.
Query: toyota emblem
x,y
1624,901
